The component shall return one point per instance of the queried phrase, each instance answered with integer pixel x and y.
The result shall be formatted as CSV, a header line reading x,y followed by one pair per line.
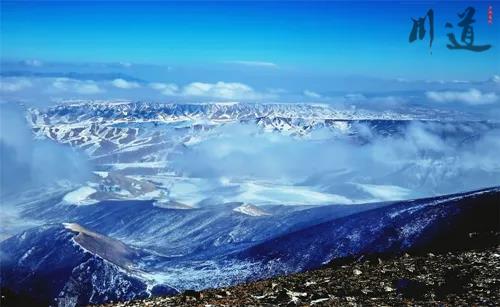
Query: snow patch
x,y
251,210
80,196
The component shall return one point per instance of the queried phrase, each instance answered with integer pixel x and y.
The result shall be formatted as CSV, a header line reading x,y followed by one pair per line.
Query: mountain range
x,y
183,197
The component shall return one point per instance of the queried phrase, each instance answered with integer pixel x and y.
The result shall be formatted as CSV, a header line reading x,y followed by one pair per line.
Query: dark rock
x,y
465,278
411,288
192,294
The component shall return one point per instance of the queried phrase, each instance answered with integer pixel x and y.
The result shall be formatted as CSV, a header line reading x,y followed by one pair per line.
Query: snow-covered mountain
x,y
435,224
190,196
75,265
69,265
148,111
250,210
188,233
134,147
102,128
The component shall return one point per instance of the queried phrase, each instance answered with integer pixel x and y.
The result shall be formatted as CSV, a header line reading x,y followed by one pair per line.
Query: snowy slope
x,y
71,265
433,224
106,127
86,266
250,210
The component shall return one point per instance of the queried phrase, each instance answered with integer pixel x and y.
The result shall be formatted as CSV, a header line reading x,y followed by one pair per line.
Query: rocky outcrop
x,y
462,278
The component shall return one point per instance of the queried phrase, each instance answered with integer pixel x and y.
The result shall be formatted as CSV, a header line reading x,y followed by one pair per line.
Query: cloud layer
x,y
48,83
124,84
14,84
27,163
84,87
218,90
311,94
425,159
471,97
224,90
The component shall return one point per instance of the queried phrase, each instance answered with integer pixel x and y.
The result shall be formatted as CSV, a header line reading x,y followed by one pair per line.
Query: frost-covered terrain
x,y
191,196
192,155
163,251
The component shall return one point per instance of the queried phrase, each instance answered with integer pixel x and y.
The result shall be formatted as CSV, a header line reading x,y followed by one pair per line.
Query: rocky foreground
x,y
468,278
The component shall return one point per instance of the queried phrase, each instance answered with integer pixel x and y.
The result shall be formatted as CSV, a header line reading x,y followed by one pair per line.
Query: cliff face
x,y
461,278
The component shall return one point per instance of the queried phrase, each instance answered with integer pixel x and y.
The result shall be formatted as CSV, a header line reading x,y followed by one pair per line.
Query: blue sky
x,y
356,38
254,51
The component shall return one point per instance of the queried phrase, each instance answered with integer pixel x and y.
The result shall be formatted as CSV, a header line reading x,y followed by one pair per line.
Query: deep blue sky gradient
x,y
345,38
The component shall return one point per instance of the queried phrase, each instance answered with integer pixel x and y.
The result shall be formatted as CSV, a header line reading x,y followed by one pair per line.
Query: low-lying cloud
x,y
14,84
56,89
124,84
43,85
471,97
312,94
225,90
424,159
27,163
168,89
84,87
218,90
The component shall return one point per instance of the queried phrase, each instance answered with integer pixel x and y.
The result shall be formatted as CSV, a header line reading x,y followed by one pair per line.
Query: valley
x,y
190,197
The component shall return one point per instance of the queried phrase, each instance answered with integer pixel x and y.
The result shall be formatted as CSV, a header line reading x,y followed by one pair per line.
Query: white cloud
x,y
255,63
388,100
14,84
421,158
125,64
33,62
124,84
312,94
225,90
355,97
218,90
374,101
472,97
168,89
87,87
